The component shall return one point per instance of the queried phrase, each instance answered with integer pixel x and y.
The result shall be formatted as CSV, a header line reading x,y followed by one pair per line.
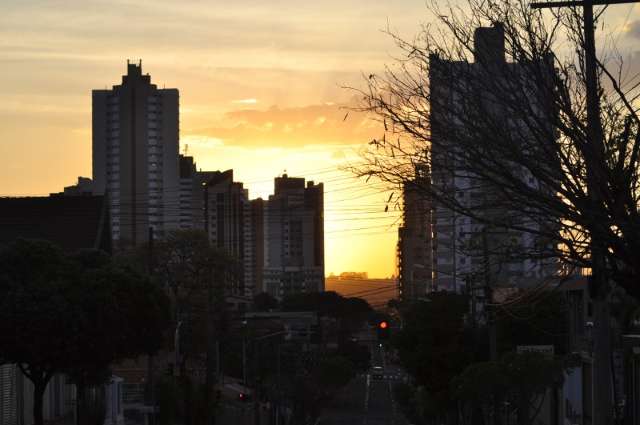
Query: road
x,y
367,400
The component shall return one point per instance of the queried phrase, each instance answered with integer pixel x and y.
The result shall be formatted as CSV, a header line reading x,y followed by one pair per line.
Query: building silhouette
x,y
278,244
135,156
73,222
229,226
294,237
415,250
465,249
258,243
213,202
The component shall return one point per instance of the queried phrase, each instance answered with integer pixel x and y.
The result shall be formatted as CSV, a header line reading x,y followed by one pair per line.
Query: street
x,y
368,400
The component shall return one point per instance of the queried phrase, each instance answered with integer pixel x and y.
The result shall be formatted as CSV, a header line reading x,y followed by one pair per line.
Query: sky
x,y
262,92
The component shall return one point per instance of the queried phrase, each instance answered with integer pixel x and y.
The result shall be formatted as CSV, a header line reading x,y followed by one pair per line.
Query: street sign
x,y
542,349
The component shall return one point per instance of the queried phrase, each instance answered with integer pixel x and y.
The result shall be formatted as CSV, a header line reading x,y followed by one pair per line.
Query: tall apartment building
x,y
415,249
190,207
465,250
135,156
211,201
229,226
258,242
279,243
294,237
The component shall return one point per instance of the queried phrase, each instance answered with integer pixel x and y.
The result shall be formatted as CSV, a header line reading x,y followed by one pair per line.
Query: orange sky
x,y
260,92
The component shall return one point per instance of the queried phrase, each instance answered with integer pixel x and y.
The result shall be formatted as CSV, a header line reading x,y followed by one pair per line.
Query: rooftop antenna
x,y
186,149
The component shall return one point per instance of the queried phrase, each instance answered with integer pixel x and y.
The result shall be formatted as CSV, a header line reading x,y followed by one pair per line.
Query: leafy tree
x,y
199,276
73,314
350,312
433,345
516,383
533,319
36,319
131,313
358,354
311,391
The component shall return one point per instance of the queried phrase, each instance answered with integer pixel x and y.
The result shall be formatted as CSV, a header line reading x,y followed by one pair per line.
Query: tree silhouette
x,y
73,314
511,125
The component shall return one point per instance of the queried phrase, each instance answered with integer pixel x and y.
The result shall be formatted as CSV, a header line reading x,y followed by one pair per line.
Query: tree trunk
x,y
39,386
80,400
186,382
523,408
497,410
602,389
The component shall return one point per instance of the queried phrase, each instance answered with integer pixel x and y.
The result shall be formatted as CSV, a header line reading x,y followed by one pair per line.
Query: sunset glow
x,y
262,92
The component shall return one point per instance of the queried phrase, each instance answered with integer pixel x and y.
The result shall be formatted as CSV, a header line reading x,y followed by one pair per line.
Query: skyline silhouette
x,y
260,93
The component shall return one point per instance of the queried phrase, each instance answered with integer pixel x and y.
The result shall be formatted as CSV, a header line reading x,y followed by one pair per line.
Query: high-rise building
x,y
258,242
229,226
465,249
135,156
414,239
212,202
191,195
294,237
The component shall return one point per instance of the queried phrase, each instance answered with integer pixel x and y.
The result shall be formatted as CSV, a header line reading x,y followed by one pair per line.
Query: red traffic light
x,y
383,325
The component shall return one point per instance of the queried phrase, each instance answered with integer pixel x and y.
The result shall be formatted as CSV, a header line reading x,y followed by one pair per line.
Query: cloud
x,y
324,124
632,29
245,101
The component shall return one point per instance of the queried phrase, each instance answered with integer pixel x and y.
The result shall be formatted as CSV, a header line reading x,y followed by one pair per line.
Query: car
x,y
377,372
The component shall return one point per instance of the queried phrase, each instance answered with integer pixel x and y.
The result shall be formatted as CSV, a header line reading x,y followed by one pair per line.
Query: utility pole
x,y
603,409
150,390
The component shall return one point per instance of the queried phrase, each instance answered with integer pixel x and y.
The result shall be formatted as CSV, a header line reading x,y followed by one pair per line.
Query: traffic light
x,y
243,396
383,330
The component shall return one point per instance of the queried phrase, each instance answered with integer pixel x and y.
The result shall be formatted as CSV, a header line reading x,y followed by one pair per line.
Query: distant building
x,y
353,275
258,242
135,156
229,225
226,217
83,187
71,222
377,292
190,196
279,243
294,238
415,251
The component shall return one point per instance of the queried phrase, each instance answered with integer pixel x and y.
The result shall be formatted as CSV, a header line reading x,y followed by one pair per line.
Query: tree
x,y
199,277
359,355
533,319
74,314
126,315
543,140
434,346
521,134
32,277
515,384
